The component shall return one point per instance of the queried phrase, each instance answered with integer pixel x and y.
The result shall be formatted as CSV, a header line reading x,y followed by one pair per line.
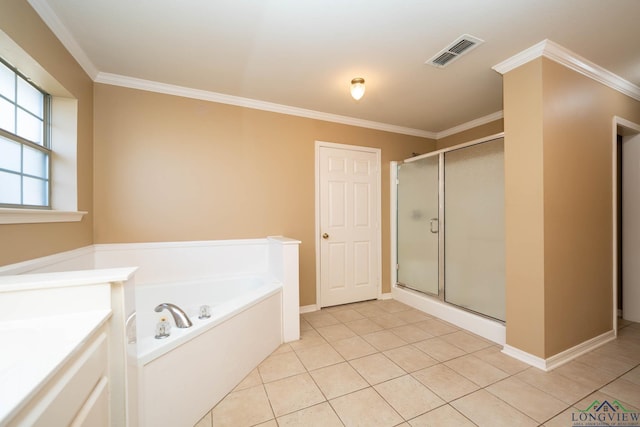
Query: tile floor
x,y
382,363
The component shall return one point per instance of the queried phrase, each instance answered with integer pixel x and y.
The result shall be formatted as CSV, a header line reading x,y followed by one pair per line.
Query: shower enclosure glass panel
x,y
417,226
474,228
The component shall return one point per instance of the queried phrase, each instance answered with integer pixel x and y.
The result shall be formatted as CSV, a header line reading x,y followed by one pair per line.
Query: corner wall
x,y
578,150
558,174
171,169
524,216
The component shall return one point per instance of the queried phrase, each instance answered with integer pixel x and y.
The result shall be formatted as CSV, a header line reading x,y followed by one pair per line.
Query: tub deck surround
x,y
178,262
45,320
73,260
182,261
284,265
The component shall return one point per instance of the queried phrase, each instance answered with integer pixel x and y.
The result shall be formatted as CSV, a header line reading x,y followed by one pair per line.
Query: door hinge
x,y
397,266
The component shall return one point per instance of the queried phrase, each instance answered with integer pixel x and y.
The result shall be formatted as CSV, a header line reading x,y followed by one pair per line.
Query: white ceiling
x,y
303,53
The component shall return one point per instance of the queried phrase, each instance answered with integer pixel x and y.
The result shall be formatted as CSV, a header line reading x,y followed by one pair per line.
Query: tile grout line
x,y
378,351
509,375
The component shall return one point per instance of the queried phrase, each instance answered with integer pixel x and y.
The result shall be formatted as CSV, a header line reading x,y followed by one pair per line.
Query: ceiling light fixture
x,y
357,88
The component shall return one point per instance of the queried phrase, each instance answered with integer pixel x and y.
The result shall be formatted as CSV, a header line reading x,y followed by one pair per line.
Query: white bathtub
x,y
226,296
183,376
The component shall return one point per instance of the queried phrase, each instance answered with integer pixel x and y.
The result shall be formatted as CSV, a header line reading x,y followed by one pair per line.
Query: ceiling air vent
x,y
463,44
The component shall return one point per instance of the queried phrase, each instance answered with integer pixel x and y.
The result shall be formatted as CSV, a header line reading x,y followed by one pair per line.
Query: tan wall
x,y
477,132
578,126
558,174
524,221
170,168
25,241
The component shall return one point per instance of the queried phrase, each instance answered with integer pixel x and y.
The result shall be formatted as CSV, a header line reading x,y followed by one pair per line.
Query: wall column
x,y
524,209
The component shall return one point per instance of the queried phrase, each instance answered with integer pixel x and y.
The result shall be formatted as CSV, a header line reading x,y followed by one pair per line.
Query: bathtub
x,y
225,297
183,376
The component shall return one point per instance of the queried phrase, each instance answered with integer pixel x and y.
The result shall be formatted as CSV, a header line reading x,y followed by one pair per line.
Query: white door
x,y
349,225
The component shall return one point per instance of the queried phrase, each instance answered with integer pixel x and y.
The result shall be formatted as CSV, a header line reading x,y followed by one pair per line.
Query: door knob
x,y
325,236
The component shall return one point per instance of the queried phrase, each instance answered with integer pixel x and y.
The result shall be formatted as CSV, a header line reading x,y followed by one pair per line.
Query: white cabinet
x,y
77,394
63,349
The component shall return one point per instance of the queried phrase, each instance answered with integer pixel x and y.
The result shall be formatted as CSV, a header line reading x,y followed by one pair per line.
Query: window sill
x,y
30,216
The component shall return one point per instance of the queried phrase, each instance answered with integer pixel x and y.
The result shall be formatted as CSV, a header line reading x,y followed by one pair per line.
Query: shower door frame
x,y
441,219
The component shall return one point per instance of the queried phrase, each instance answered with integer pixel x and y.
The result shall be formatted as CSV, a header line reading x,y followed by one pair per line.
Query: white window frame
x,y
64,128
43,147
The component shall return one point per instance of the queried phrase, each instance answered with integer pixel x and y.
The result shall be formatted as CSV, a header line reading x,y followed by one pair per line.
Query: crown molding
x,y
203,95
573,61
168,89
470,125
54,23
521,58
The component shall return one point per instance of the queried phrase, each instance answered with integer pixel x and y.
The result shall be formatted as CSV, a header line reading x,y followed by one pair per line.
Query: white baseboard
x,y
523,356
386,295
561,358
308,308
580,349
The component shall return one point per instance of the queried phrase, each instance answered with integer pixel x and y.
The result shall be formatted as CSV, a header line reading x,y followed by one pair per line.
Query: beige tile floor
x,y
382,363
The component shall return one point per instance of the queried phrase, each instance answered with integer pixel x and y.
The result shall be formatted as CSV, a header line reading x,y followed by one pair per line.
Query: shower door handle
x,y
433,225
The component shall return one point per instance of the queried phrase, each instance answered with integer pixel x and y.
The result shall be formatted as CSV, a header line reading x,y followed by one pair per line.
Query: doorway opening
x,y
626,219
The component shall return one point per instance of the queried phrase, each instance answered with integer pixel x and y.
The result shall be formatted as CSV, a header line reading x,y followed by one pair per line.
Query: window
x,y
38,165
25,142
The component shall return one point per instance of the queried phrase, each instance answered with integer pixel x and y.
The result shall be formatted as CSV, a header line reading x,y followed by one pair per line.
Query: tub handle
x,y
205,312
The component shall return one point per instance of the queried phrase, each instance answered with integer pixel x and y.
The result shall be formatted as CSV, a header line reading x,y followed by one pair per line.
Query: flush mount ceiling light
x,y
357,88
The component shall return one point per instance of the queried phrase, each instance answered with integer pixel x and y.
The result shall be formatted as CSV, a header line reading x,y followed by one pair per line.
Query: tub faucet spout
x,y
179,316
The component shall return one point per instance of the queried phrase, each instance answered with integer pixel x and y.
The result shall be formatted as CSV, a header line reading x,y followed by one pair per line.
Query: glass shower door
x,y
417,226
474,228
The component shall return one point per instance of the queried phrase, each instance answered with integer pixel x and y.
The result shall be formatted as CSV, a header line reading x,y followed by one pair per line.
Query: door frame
x,y
378,211
618,122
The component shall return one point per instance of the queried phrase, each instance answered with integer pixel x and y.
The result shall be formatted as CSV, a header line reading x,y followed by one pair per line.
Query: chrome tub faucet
x,y
179,316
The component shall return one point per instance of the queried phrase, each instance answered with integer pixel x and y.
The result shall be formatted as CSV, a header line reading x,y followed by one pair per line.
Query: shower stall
x,y
449,234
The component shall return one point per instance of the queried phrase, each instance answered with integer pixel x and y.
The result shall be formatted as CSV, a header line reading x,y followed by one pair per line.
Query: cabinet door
x,y
77,385
95,411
